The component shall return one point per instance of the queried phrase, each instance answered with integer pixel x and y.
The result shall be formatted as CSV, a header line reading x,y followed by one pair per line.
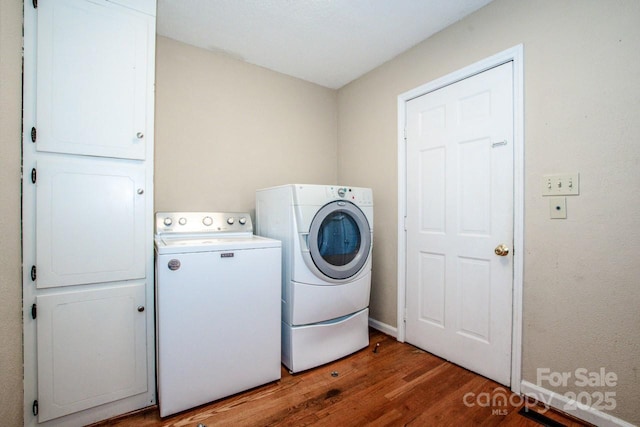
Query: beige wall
x,y
225,128
582,106
10,273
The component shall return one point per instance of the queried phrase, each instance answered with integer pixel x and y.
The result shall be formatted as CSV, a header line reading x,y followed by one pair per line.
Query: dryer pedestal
x,y
305,347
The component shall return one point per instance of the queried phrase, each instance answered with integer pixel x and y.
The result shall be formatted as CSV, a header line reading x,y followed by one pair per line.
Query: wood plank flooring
x,y
397,385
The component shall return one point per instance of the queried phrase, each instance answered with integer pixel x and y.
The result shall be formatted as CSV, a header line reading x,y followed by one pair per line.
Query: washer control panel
x,y
203,222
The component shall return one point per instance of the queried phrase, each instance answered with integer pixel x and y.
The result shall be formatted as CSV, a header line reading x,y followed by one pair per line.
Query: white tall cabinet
x,y
88,303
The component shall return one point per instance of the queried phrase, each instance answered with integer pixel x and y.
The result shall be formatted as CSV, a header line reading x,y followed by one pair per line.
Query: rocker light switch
x,y
558,207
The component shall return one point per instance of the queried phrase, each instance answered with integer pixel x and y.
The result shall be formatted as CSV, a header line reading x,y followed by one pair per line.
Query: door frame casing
x,y
516,56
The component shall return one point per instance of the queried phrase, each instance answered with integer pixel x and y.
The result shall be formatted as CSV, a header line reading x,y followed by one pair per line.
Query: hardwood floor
x,y
397,385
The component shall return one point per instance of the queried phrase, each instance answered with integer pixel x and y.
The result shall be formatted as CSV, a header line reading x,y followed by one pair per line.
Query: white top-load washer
x,y
218,307
327,239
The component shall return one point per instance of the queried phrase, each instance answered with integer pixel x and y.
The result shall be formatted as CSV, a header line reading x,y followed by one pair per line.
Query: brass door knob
x,y
501,250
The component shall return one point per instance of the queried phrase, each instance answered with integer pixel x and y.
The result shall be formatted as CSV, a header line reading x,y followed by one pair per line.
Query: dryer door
x,y
339,240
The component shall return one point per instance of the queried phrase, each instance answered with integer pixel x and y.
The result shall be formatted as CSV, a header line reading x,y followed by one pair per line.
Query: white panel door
x,y
92,78
89,221
459,209
83,360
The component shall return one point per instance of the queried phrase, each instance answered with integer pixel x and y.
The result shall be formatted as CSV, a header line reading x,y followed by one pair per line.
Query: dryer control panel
x,y
318,195
357,195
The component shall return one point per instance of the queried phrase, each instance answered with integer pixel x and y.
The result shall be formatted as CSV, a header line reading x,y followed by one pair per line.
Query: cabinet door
x,y
91,348
89,221
92,78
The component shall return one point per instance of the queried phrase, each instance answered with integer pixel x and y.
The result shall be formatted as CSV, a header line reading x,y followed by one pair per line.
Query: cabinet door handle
x,y
139,135
141,308
140,191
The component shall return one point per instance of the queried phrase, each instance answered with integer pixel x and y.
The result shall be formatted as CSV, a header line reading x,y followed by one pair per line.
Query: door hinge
x,y
34,311
35,4
33,273
34,408
405,315
33,175
34,134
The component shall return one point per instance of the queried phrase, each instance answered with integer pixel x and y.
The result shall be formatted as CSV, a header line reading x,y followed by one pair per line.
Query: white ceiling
x,y
328,42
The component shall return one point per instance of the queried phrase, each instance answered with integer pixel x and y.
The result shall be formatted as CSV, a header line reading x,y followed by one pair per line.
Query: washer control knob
x,y
182,221
342,192
230,220
242,221
207,220
167,221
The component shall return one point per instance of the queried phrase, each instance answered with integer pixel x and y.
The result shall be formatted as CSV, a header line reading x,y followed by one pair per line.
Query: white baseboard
x,y
383,327
562,403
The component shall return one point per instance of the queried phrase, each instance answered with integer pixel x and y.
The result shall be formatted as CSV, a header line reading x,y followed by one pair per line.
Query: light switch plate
x,y
565,184
558,208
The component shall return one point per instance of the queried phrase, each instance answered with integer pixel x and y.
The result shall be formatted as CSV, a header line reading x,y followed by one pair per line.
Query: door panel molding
x,y
516,56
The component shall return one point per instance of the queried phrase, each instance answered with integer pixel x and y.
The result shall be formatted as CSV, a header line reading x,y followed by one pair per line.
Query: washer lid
x,y
208,243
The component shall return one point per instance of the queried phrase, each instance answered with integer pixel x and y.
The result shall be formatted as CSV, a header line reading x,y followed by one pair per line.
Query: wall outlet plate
x,y
565,184
558,208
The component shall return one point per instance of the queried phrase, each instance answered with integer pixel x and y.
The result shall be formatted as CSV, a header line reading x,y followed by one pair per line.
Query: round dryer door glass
x,y
339,240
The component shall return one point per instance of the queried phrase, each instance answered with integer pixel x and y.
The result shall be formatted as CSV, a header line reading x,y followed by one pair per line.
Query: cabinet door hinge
x,y
33,273
34,408
33,175
34,311
35,4
34,134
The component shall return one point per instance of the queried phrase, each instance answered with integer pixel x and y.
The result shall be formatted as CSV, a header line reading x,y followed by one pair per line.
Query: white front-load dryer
x,y
327,240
